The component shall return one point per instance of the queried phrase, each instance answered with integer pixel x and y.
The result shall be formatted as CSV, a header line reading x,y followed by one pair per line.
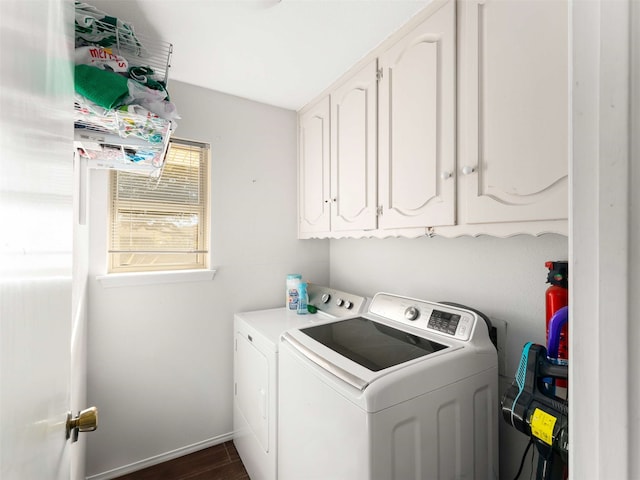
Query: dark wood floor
x,y
220,462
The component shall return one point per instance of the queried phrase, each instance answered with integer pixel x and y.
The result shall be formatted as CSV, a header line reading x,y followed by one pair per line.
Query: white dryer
x,y
407,391
256,343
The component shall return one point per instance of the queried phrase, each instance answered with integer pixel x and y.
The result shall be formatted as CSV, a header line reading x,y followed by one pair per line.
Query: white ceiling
x,y
282,53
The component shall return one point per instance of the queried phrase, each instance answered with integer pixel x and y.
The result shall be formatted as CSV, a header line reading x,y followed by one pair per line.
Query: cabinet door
x,y
313,170
353,152
417,125
514,110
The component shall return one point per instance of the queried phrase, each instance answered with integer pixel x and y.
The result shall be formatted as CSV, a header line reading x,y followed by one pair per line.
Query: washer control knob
x,y
411,313
348,305
339,302
326,297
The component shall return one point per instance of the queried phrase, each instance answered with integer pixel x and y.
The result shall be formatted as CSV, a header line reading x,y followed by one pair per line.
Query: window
x,y
162,223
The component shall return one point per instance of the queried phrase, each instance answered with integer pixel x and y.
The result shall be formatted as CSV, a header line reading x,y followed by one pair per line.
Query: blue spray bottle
x,y
303,299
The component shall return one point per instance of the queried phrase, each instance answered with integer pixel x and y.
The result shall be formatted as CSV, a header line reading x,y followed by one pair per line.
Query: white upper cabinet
x,y
514,111
417,125
353,152
313,169
458,124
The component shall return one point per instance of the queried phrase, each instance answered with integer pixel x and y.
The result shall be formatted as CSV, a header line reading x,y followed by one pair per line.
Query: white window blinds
x,y
162,224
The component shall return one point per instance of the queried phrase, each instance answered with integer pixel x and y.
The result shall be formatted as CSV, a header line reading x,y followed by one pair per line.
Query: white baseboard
x,y
134,467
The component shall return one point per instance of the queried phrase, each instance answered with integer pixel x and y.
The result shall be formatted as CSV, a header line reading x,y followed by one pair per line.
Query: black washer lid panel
x,y
371,344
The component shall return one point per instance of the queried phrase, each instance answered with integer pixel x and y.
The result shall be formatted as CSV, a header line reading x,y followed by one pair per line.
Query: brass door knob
x,y
86,421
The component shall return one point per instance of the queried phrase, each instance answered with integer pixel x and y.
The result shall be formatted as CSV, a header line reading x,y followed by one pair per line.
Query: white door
x,y
313,170
354,152
417,125
36,225
514,110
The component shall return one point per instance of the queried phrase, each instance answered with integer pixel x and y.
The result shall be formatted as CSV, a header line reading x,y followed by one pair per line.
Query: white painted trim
x,y
164,457
500,230
154,278
599,247
634,242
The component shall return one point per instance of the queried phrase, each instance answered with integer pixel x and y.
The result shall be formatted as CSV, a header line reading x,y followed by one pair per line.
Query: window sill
x,y
154,278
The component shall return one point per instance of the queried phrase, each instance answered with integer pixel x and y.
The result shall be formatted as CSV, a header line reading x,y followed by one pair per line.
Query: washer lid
x,y
371,344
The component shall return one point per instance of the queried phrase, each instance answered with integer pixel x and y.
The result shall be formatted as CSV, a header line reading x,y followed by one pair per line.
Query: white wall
x,y
634,242
160,356
503,278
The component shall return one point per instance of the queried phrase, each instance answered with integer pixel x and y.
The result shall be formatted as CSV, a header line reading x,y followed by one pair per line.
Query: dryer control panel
x,y
431,316
335,302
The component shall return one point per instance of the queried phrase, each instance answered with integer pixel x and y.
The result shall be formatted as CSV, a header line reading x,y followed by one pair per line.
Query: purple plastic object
x,y
555,328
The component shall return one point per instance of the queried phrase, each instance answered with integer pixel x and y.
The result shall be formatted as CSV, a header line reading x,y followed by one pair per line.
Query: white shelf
x,y
131,139
108,151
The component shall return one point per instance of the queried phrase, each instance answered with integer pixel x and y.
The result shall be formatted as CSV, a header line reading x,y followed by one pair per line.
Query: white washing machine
x,y
256,340
408,390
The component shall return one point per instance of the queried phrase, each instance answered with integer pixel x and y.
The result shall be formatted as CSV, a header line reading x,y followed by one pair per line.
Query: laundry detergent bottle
x,y
292,293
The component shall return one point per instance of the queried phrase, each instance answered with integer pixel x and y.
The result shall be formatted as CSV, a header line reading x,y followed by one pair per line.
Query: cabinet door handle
x,y
445,175
468,169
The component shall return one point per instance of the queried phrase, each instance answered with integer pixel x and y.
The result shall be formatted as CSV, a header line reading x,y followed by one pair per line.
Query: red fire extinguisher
x,y
557,296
